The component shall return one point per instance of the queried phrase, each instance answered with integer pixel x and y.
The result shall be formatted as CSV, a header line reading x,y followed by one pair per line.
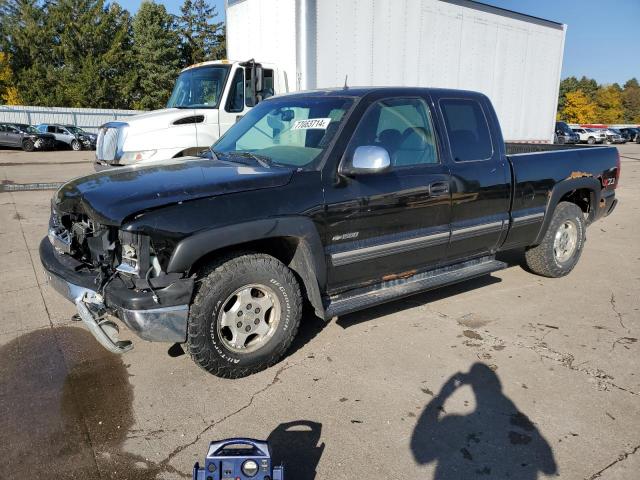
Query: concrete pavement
x,y
510,373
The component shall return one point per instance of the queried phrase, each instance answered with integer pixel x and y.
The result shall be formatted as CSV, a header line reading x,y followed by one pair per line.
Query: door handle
x,y
439,189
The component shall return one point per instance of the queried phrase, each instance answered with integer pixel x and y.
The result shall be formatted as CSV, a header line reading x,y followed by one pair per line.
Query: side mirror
x,y
367,160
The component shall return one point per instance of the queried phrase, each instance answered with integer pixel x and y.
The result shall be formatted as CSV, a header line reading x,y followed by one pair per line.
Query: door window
x,y
267,86
51,129
468,130
403,127
235,100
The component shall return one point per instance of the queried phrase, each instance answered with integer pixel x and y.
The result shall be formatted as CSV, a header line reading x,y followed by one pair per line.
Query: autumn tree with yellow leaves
x,y
609,104
584,101
578,108
8,91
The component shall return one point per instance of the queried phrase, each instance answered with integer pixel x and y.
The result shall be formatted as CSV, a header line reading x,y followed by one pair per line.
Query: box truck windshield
x,y
199,87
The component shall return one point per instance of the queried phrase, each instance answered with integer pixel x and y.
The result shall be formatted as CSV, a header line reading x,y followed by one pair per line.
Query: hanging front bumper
x,y
158,323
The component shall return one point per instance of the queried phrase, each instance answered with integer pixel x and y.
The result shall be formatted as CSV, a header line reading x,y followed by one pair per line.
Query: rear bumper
x,y
608,203
165,321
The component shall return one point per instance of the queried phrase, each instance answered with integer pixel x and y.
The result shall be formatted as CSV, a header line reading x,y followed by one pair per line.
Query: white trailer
x,y
293,45
514,59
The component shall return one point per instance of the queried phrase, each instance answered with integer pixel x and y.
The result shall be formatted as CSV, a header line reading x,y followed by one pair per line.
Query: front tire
x,y
245,313
75,146
591,140
28,145
562,245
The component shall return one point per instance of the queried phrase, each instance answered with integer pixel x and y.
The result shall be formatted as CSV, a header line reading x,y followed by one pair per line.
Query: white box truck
x,y
280,46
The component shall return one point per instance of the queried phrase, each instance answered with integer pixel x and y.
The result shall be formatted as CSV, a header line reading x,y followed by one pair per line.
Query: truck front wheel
x,y
562,244
244,315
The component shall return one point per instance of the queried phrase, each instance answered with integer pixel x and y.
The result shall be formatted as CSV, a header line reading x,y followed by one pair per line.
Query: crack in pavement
x,y
604,380
615,310
164,464
620,458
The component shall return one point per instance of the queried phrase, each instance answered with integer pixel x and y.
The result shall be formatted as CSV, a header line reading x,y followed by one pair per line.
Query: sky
x,y
602,42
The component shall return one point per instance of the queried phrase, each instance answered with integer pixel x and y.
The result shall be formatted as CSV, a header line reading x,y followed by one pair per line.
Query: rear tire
x,y
562,245
591,140
75,146
28,145
245,313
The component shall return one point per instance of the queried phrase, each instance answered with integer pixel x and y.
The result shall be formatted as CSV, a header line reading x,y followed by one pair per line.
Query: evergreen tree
x,y
92,53
202,37
567,85
28,43
156,44
589,87
631,101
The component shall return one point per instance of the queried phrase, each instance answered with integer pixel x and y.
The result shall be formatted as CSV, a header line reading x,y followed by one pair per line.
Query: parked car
x,y
614,136
589,135
24,136
632,134
563,134
342,198
71,135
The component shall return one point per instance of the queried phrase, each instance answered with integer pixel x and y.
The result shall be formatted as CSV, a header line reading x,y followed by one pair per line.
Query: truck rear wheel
x,y
562,244
244,315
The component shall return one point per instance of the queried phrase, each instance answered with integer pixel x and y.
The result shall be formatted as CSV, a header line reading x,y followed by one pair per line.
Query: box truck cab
x,y
207,99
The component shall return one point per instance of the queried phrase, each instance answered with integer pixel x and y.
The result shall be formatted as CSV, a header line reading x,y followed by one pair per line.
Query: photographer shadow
x,y
496,440
296,445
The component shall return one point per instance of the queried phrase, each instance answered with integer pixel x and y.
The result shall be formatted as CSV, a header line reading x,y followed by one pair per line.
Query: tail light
x,y
615,185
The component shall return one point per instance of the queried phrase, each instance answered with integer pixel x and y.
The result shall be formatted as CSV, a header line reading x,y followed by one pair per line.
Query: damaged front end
x,y
108,272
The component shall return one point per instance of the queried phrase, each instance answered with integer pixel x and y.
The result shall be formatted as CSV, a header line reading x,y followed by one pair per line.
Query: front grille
x,y
107,144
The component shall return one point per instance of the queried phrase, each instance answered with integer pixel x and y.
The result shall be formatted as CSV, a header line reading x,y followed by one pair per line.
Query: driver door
x,y
389,224
13,136
234,106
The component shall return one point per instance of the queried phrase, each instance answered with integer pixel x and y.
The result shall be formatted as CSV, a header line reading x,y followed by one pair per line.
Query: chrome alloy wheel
x,y
565,241
248,318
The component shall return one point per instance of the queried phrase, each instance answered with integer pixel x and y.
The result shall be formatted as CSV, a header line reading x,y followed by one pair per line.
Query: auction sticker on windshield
x,y
311,123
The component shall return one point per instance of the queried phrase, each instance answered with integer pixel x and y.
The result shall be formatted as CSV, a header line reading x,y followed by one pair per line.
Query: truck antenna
x,y
346,87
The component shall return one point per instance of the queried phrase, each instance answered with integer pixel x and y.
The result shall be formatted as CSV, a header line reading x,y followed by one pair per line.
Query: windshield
x,y
199,87
286,131
73,129
25,128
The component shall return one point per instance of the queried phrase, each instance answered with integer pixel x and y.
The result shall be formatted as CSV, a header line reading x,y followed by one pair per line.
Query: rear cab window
x,y
467,128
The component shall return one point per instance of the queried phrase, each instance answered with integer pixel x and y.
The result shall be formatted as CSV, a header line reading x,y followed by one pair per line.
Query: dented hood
x,y
112,196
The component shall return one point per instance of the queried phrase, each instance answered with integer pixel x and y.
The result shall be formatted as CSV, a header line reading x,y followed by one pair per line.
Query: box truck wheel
x,y
245,313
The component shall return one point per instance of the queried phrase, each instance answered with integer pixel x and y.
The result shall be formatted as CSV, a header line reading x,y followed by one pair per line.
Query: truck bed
x,y
519,148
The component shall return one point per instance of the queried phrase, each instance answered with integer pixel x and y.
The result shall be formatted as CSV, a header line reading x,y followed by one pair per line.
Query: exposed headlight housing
x,y
129,158
134,254
250,468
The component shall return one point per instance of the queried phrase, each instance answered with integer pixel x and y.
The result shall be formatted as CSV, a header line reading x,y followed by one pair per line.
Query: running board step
x,y
395,289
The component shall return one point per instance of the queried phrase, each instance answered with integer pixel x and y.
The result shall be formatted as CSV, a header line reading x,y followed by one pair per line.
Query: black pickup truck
x,y
340,198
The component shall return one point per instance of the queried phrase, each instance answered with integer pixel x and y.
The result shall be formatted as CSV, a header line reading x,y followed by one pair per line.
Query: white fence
x,y
88,119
